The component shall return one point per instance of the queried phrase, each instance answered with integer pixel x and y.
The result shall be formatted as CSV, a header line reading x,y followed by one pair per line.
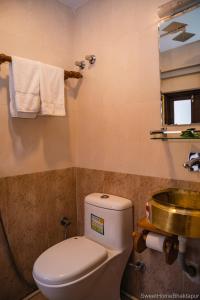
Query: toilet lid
x,y
68,261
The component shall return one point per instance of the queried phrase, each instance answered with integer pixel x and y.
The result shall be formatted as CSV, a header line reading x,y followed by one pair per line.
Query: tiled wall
x,y
158,277
32,206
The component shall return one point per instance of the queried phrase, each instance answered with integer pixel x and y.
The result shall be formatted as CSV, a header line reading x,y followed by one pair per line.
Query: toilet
x,y
89,267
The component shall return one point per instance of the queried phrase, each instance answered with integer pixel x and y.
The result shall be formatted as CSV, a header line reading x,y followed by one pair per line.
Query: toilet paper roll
x,y
155,241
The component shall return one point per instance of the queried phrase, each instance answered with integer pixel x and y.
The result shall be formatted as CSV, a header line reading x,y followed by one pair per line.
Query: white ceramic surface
x,y
89,267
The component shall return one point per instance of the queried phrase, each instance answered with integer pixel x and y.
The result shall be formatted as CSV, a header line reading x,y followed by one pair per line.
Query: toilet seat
x,y
68,261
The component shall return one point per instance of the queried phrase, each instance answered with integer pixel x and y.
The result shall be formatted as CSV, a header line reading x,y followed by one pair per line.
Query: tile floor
x,y
39,296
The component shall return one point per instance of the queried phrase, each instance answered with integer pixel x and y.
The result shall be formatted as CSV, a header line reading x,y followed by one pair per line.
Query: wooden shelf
x,y
146,225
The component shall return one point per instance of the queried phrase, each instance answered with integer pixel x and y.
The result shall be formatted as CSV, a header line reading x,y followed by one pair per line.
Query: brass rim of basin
x,y
176,211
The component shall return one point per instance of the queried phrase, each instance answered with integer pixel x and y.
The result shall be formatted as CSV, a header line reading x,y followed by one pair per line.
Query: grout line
x,y
76,198
31,295
128,295
104,181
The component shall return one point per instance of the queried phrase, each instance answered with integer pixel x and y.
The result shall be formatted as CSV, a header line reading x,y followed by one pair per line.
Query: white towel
x,y
24,86
52,90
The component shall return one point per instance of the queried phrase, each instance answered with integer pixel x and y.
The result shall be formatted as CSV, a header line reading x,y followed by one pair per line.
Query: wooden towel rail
x,y
67,74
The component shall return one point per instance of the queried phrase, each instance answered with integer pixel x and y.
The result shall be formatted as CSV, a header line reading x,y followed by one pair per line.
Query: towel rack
x,y
67,74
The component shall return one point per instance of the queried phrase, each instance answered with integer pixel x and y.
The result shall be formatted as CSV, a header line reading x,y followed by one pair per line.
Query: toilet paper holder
x,y
170,246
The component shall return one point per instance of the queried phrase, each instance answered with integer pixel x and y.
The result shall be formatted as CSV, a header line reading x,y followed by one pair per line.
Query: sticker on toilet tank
x,y
97,224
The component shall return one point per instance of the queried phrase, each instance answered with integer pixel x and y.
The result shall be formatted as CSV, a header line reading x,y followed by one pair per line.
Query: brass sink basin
x,y
176,211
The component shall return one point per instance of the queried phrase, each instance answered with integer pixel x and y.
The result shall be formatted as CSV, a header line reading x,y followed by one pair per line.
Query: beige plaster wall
x,y
119,99
109,112
40,30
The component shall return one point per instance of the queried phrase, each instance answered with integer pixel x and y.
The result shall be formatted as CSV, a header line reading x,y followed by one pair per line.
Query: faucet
x,y
191,163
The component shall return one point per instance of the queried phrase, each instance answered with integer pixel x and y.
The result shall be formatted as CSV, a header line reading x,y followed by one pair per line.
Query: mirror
x,y
179,41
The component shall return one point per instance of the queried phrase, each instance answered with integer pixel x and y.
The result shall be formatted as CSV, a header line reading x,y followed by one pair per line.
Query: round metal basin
x,y
176,211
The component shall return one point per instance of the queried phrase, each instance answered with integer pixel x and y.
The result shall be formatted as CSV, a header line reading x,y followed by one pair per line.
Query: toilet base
x,y
101,283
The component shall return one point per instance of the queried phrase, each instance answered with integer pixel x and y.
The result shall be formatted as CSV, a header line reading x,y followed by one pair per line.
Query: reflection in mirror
x,y
182,112
180,68
181,107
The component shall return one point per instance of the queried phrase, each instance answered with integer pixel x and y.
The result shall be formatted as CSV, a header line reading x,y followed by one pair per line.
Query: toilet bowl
x,y
91,266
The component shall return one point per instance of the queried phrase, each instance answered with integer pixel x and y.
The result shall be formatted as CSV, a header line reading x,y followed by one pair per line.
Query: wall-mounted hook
x,y
81,64
91,59
66,223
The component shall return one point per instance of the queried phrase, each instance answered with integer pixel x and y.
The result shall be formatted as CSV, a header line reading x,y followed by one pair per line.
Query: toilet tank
x,y
109,220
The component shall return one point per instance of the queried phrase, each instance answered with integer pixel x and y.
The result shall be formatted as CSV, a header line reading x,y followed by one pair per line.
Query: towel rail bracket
x,y
67,74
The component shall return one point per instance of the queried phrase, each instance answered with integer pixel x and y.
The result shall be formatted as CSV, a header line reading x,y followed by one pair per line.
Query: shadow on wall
x,y
170,160
53,133
47,137
50,133
74,89
3,81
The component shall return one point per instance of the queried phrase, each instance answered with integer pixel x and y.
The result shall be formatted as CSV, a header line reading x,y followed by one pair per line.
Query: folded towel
x,y
52,90
24,86
13,109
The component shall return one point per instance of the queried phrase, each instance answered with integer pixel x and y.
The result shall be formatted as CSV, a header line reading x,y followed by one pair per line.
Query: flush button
x,y
104,196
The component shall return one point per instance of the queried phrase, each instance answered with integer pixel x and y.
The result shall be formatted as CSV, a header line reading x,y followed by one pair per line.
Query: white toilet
x,y
90,267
